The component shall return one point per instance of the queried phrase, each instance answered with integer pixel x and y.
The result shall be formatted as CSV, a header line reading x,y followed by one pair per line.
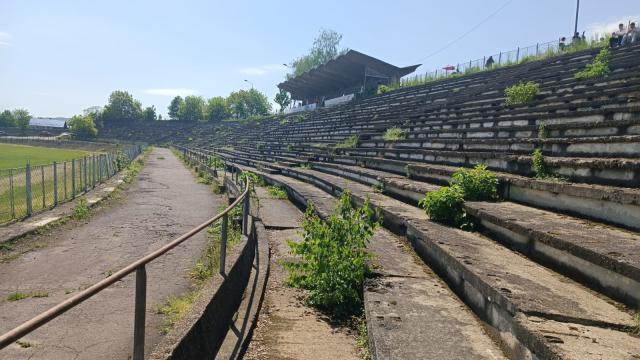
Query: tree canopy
x,y
83,127
192,109
21,117
325,48
283,99
174,107
217,109
6,119
122,107
149,113
246,103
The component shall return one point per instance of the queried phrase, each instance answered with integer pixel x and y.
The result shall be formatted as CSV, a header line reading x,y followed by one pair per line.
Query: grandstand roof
x,y
343,72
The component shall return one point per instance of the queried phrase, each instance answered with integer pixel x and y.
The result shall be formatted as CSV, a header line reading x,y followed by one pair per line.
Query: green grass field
x,y
16,156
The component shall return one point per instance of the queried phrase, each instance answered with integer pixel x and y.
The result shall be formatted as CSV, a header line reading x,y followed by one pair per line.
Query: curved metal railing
x,y
141,281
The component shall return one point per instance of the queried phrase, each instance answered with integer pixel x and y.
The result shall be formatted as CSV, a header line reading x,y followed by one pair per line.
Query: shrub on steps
x,y
394,134
331,259
521,93
598,67
446,206
478,184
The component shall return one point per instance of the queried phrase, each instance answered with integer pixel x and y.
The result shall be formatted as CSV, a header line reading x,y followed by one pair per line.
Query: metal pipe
x,y
30,325
140,313
223,242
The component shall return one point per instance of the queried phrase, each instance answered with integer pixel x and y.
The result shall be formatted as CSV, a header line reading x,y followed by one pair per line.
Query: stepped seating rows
x,y
536,311
554,268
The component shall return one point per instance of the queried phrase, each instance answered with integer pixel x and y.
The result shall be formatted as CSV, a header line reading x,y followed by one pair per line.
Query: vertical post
x,y
575,28
93,170
223,241
537,49
140,313
55,184
44,193
73,178
500,58
518,55
28,189
13,208
245,211
64,178
86,188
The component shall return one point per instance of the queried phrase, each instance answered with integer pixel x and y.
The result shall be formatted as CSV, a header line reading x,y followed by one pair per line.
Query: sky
x,y
60,57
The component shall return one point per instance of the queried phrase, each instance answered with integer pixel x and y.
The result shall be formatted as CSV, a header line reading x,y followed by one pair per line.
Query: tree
x,y
192,109
21,118
149,113
282,98
216,109
122,107
6,119
83,127
159,117
246,103
325,48
174,108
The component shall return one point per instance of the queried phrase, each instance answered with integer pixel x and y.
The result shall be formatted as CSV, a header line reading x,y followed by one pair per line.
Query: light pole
x,y
575,29
249,83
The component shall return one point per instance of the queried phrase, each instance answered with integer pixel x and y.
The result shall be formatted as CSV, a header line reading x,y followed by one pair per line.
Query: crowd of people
x,y
624,36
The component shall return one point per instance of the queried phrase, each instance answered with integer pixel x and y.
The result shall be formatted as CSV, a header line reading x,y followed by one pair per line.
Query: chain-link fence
x,y
26,191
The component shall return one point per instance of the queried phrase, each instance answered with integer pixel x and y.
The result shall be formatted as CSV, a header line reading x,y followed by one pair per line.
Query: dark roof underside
x,y
343,72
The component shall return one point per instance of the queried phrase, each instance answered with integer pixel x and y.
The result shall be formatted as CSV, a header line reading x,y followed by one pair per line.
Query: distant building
x,y
340,79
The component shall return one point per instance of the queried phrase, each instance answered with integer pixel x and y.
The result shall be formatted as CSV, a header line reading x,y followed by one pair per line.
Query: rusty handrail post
x,y
140,313
223,242
245,210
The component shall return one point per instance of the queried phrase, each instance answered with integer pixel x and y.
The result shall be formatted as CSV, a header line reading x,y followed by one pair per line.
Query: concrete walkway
x,y
164,202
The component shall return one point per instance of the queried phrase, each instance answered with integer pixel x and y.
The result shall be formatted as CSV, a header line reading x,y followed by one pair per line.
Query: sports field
x,y
16,156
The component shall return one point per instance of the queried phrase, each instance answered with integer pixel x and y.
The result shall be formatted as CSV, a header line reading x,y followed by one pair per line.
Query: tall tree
x,y
6,119
122,107
83,127
325,48
21,118
174,108
283,99
245,103
192,109
149,113
216,109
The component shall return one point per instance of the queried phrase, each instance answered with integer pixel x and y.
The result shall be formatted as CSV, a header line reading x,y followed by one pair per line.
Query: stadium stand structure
x,y
554,270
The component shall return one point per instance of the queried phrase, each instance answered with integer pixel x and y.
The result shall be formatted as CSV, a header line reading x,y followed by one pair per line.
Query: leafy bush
x,y
598,67
277,192
81,210
394,134
333,257
540,168
383,89
521,93
542,131
349,143
446,206
478,184
120,161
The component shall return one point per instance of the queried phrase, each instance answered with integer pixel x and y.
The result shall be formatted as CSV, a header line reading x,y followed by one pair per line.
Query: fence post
x,y
64,178
93,170
245,210
500,58
55,184
223,241
44,193
86,187
28,189
140,313
73,178
518,54
13,209
537,48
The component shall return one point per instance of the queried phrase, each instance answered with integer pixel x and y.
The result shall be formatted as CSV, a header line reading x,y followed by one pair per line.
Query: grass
x,y
17,296
362,340
24,344
348,143
17,156
174,308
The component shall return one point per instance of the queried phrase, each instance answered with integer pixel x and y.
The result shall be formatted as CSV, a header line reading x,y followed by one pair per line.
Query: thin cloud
x,y
171,92
5,39
603,29
262,70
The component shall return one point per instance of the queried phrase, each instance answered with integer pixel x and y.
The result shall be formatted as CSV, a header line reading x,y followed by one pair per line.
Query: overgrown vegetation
x,y
363,338
446,205
542,130
331,258
394,134
383,89
174,308
81,210
521,93
477,184
277,192
17,296
540,168
598,67
349,143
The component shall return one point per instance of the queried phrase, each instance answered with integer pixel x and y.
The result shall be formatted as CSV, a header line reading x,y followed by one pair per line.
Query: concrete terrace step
x,y
535,311
410,312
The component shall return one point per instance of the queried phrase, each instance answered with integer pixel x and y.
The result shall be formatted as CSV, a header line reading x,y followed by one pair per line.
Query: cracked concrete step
x,y
602,257
411,313
536,311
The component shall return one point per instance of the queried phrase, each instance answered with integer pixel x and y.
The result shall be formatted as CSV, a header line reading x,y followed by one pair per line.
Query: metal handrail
x,y
138,266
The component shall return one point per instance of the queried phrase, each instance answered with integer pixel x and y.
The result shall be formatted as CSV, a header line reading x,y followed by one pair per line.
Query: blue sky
x,y
60,57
